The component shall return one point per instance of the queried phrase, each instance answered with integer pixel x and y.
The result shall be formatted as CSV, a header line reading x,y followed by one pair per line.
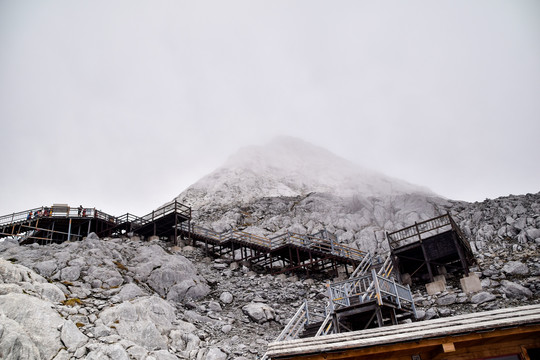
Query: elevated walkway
x,y
279,254
61,222
283,253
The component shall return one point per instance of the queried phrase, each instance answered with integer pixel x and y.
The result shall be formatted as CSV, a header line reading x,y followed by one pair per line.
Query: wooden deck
x,y
472,336
428,248
60,223
283,253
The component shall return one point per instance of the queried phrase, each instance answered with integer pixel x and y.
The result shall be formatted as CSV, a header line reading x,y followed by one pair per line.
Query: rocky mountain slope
x,y
132,299
291,185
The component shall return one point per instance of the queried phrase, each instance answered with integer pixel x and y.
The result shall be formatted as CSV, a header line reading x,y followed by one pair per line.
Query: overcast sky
x,y
122,105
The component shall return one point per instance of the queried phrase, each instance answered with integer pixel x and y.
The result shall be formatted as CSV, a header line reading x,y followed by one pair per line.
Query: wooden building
x,y
429,248
504,334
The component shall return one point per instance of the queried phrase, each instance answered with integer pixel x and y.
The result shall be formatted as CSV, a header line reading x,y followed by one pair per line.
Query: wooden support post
x,y
380,320
462,258
393,316
395,261
89,227
52,232
426,261
69,231
175,225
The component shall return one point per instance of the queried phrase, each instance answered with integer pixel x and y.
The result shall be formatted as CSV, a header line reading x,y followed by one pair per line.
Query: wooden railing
x,y
423,229
65,211
54,212
303,241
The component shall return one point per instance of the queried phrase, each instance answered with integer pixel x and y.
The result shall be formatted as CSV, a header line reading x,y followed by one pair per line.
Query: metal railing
x,y
367,288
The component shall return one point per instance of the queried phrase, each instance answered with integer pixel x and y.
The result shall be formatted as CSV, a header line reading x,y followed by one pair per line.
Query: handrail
x,y
54,212
271,243
400,237
58,211
296,323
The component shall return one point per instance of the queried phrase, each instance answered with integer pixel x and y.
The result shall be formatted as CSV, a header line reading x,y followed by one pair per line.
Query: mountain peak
x,y
288,166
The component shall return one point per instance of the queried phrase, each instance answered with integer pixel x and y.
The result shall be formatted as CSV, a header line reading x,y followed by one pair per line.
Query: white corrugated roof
x,y
420,330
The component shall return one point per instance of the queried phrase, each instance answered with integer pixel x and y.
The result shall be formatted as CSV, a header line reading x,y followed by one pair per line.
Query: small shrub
x,y
120,265
72,302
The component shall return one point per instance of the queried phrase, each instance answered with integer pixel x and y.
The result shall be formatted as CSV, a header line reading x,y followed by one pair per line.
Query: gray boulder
x,y
513,290
72,337
447,300
128,292
46,268
14,273
259,312
515,268
70,273
226,297
482,297
36,319
49,292
187,289
215,354
10,288
144,321
109,277
163,355
15,342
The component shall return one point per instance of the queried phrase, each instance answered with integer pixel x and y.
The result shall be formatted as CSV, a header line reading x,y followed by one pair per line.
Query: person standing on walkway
x,y
79,211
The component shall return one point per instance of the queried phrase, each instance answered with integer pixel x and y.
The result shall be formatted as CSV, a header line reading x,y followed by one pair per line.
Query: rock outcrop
x,y
130,299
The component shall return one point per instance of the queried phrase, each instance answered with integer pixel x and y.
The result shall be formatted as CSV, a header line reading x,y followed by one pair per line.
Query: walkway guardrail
x,y
54,212
21,222
304,241
424,229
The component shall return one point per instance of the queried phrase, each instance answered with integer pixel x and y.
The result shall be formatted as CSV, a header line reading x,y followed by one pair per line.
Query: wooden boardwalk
x,y
60,223
283,253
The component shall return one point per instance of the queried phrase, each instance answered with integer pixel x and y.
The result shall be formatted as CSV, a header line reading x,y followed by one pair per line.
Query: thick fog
x,y
122,105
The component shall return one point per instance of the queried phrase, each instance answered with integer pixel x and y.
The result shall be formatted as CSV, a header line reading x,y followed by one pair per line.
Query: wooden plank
x,y
419,330
334,353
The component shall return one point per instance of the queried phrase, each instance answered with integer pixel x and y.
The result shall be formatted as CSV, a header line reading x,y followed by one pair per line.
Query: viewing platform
x,y
287,252
61,222
429,248
281,253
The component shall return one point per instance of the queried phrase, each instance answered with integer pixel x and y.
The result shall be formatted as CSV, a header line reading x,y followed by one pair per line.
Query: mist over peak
x,y
288,166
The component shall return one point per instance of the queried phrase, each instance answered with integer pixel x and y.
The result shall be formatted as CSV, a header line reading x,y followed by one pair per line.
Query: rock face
x,y
290,185
30,324
129,299
90,318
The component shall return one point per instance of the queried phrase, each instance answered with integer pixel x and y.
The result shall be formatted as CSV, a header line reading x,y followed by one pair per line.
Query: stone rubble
x,y
133,299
